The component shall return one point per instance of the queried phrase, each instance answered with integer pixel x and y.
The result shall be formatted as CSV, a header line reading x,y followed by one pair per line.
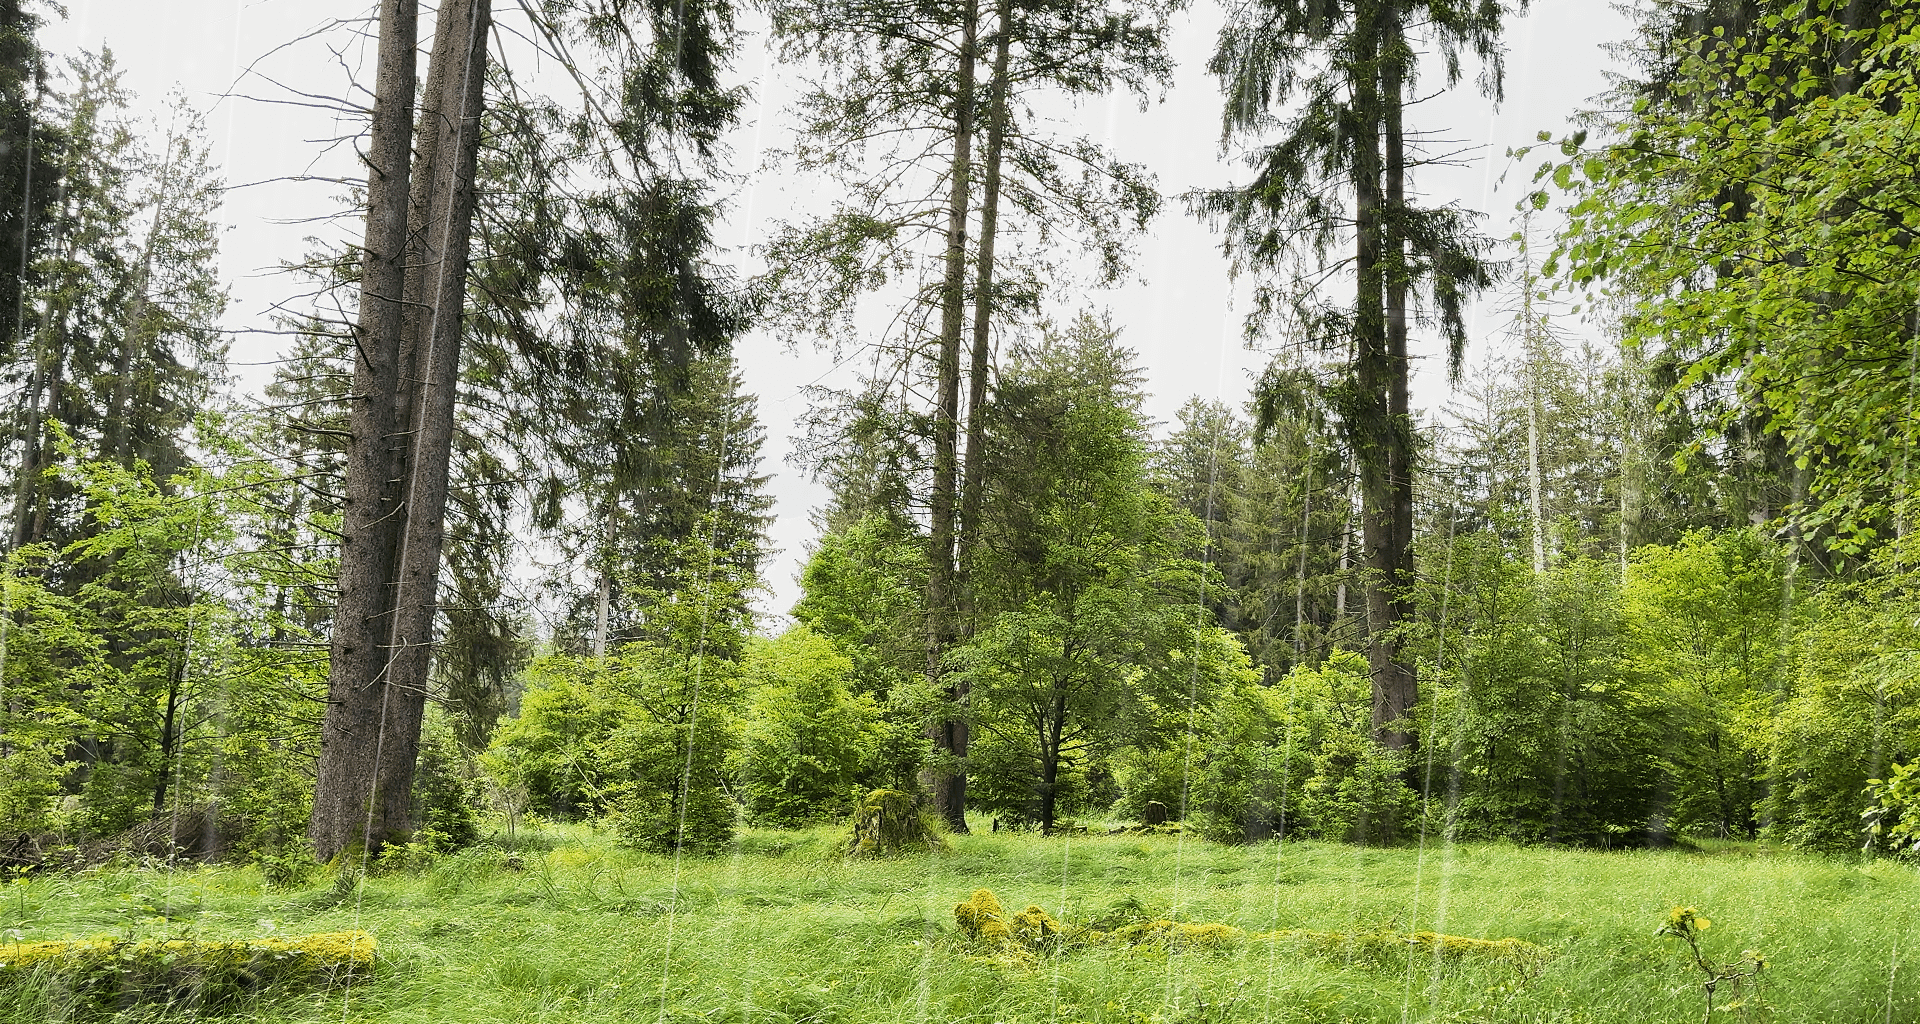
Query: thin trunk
x,y
168,717
1300,579
971,484
948,784
1346,554
1532,339
1533,468
1050,762
29,423
602,607
39,525
600,619
27,484
43,395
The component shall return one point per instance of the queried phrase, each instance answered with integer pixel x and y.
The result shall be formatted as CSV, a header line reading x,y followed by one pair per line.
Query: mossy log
x,y
108,973
983,919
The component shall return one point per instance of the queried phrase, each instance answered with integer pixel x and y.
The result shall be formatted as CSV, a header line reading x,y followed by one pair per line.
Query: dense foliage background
x,y
1653,589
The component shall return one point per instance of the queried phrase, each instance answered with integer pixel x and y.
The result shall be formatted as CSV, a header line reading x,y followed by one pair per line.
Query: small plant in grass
x,y
1741,976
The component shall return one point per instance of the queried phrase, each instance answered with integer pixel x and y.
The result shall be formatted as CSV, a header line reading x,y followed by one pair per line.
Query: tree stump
x,y
888,823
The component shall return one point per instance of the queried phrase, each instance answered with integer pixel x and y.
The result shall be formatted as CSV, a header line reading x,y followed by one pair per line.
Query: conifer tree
x,y
1338,174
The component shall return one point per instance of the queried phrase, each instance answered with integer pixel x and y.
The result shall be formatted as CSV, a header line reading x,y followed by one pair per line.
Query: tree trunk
x,y
454,96
1380,356
345,813
1300,577
971,484
948,784
405,389
1050,762
1533,461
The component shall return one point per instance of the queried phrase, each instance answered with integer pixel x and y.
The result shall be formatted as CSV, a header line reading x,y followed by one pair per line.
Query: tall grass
x,y
783,930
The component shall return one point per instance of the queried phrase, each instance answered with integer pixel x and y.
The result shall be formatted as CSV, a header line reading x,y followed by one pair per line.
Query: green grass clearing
x,y
782,931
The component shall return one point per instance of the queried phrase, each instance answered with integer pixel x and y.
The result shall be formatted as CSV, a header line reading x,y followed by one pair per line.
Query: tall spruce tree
x,y
29,173
1339,174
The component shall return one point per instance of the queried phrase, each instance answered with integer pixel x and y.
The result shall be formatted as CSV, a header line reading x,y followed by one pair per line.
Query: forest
x,y
477,578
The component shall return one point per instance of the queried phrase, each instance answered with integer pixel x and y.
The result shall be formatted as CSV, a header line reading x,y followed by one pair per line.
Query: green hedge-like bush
x,y
106,974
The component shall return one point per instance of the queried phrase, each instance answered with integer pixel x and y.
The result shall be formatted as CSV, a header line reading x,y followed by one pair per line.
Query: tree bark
x,y
948,784
1394,675
405,390
1380,365
971,484
345,812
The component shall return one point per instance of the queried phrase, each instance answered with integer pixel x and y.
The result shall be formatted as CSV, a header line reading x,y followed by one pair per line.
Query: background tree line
x,y
1608,596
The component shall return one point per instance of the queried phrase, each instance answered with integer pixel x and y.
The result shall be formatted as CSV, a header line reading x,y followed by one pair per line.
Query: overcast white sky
x,y
1179,315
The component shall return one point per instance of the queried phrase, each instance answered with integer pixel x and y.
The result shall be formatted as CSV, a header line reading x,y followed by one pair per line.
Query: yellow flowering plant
x,y
1741,976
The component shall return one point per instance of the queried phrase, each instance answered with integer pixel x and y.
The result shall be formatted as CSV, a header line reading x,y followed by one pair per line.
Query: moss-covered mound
x,y
107,974
889,823
983,919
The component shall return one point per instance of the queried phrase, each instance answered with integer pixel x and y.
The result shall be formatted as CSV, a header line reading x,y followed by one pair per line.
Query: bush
x,y
445,789
669,794
807,737
1356,793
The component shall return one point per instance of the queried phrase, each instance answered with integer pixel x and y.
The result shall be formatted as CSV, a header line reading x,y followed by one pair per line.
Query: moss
x,y
887,823
1166,934
1392,946
983,919
111,972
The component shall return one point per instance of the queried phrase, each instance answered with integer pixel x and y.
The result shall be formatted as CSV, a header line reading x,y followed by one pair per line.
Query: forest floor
x,y
783,930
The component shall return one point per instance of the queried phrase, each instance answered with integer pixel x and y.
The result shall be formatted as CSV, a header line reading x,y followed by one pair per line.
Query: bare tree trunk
x,y
1533,470
1300,578
1532,337
344,811
454,98
971,484
948,783
405,389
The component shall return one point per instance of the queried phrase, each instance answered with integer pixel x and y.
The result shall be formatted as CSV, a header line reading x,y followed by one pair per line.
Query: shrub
x,y
807,736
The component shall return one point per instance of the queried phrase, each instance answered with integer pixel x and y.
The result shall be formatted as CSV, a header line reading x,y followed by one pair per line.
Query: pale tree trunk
x,y
1300,578
1533,463
405,389
1533,338
948,784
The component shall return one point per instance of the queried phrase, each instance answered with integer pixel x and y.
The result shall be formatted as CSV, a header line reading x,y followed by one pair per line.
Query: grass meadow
x,y
784,931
